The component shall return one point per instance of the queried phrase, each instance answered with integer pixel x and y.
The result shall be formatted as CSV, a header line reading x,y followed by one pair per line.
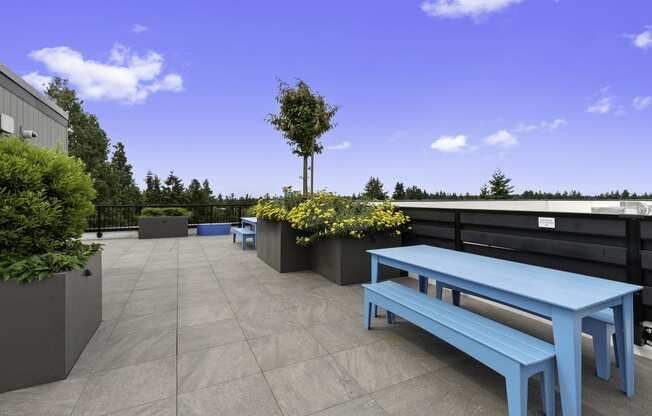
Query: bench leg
x,y
517,394
375,311
548,388
234,238
613,338
423,284
367,313
602,351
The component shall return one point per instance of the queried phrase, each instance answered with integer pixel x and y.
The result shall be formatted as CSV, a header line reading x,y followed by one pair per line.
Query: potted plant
x,y
50,283
339,231
163,222
276,241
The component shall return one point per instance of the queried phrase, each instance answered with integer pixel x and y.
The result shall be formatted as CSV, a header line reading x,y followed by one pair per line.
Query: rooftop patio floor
x,y
196,326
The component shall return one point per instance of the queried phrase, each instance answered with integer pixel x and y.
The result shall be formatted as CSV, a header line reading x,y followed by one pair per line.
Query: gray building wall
x,y
32,110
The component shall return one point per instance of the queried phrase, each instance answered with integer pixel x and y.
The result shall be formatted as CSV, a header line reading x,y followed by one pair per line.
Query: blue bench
x,y
515,355
599,325
244,233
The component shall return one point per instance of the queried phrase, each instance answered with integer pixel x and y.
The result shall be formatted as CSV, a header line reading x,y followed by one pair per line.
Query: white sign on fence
x,y
546,222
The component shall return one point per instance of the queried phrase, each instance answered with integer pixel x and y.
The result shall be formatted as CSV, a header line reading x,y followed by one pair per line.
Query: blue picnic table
x,y
565,297
251,221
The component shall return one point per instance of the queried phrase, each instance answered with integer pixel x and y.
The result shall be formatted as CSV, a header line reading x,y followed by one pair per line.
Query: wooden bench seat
x,y
515,355
244,233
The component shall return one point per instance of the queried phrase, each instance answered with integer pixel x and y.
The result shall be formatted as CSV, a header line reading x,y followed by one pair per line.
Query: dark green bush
x,y
164,212
45,198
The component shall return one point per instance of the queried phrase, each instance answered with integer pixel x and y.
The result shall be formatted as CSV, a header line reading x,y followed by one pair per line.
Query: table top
x,y
564,289
251,220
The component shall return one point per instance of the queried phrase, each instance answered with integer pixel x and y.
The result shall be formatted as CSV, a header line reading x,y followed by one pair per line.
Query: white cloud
x,y
641,103
340,146
502,138
464,8
126,77
524,128
554,124
139,28
449,144
38,81
603,104
643,40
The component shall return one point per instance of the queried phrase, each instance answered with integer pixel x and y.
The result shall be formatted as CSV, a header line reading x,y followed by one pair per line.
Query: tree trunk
x,y
305,175
312,173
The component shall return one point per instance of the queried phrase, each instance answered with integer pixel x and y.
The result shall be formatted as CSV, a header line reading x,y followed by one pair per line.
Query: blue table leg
x,y
374,278
439,291
624,322
567,330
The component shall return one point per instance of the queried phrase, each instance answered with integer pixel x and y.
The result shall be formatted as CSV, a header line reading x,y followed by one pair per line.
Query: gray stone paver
x,y
196,326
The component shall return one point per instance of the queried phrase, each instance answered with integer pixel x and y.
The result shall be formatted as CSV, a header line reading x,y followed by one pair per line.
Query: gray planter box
x,y
162,227
46,325
276,246
346,261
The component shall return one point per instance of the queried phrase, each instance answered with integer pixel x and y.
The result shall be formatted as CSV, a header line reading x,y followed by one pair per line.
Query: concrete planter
x,y
345,260
276,246
46,325
162,227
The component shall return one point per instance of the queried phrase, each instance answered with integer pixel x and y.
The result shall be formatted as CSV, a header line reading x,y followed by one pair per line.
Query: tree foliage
x,y
374,190
399,191
304,116
500,185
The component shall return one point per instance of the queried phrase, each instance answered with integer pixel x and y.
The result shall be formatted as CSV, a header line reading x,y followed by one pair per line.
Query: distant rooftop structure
x,y
28,113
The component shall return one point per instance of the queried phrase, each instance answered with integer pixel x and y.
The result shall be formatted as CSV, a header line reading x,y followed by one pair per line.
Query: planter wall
x,y
162,227
46,325
276,246
346,261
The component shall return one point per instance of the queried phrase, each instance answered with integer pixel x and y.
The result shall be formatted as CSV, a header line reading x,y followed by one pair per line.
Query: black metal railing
x,y
125,217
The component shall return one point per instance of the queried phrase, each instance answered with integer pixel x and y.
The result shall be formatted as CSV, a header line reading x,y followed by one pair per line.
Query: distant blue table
x,y
248,221
566,297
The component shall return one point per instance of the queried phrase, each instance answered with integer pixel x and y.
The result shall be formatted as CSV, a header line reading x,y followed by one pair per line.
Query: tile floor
x,y
196,326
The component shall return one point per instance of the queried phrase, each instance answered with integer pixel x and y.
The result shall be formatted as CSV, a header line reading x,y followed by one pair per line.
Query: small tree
x,y
303,118
374,189
499,185
399,191
153,193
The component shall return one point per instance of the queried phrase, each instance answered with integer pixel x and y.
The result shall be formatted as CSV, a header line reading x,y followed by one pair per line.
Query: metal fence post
x,y
459,244
99,221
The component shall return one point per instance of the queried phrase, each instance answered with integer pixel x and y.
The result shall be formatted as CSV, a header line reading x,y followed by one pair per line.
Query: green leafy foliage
x,y
164,212
303,118
45,198
374,190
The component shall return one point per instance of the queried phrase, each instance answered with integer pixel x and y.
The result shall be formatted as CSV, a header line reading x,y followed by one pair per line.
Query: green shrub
x,y
45,198
164,212
277,209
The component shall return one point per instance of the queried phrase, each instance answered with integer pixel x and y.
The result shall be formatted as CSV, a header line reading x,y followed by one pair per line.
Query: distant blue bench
x,y
515,355
244,233
214,228
599,325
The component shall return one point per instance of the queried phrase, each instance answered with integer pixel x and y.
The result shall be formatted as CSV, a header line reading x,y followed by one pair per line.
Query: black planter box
x,y
45,325
162,227
276,246
345,260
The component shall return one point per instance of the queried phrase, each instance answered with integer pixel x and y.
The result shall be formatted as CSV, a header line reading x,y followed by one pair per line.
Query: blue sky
x,y
433,93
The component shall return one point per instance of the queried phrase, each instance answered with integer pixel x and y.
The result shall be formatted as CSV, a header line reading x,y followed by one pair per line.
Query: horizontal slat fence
x,y
606,246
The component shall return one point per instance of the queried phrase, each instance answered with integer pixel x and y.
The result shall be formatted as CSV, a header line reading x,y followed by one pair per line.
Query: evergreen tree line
x,y
499,186
109,168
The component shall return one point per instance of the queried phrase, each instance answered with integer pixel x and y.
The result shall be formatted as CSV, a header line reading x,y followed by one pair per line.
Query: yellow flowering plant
x,y
277,209
326,215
